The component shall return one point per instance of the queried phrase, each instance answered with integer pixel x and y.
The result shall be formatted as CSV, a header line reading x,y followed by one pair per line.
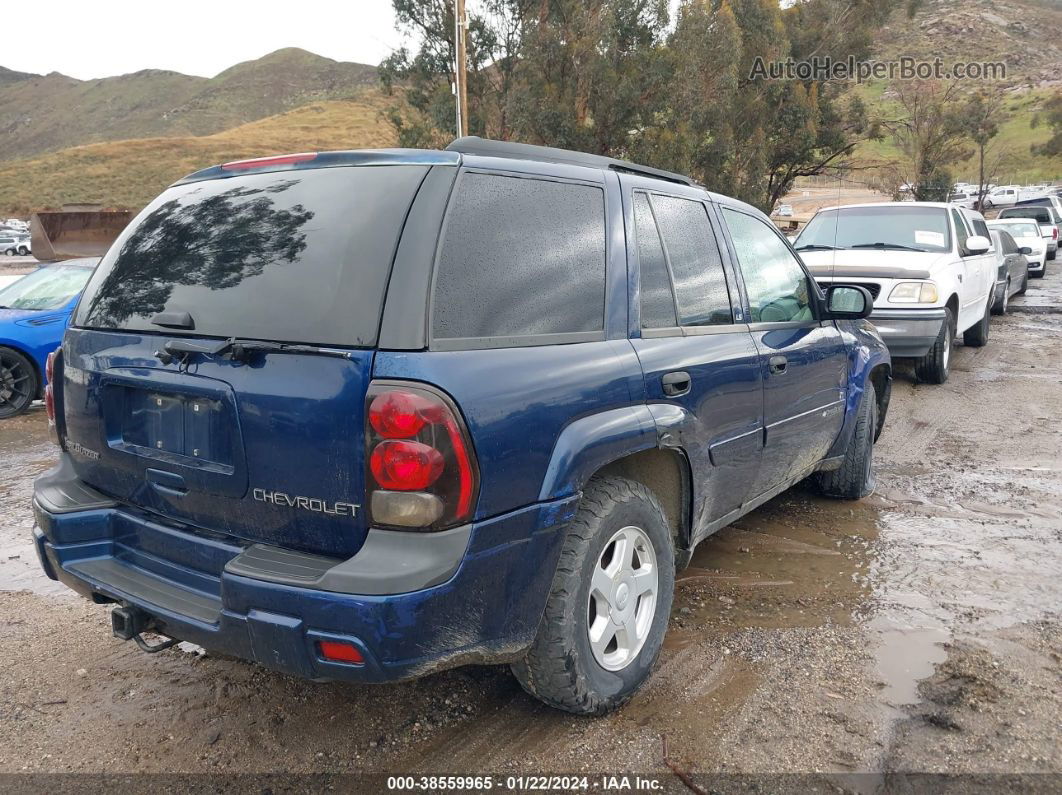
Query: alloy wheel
x,y
622,602
15,381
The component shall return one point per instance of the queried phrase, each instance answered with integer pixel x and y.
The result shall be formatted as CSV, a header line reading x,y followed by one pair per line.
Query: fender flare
x,y
591,442
861,367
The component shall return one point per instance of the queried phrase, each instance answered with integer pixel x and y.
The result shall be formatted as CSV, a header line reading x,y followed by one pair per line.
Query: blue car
x,y
34,312
368,415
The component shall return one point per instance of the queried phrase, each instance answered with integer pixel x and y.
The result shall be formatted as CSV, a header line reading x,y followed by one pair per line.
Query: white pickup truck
x,y
929,266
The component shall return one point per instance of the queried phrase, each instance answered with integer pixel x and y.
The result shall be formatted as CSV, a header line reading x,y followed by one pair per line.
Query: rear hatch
x,y
177,398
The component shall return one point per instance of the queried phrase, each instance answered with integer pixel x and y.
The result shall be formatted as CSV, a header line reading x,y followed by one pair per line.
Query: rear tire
x,y
854,479
933,368
18,383
977,335
1000,307
566,669
9,252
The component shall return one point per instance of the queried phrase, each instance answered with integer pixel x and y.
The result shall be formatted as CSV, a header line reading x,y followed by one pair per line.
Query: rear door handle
x,y
676,384
777,364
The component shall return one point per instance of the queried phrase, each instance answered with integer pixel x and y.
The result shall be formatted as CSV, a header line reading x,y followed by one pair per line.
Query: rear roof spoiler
x,y
353,157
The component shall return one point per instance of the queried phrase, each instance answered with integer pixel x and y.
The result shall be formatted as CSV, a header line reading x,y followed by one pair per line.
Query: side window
x,y
776,284
961,235
520,257
696,266
980,228
657,298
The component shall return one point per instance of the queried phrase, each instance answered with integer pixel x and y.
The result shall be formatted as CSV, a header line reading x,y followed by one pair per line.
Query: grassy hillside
x,y
1016,136
42,113
131,173
1026,35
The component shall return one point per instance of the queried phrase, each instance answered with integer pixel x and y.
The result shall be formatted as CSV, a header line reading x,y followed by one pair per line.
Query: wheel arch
x,y
624,442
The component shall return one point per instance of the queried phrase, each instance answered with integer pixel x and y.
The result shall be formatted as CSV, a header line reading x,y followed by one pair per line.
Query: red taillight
x,y
265,162
422,470
1054,233
399,415
49,392
405,466
337,651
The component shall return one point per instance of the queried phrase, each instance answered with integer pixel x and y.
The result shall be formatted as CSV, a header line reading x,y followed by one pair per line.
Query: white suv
x,y
929,266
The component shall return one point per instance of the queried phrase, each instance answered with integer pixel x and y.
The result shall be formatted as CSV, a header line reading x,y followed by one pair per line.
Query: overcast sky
x,y
99,38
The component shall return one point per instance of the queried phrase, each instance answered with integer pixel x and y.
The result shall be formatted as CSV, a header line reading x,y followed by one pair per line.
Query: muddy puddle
x,y
25,452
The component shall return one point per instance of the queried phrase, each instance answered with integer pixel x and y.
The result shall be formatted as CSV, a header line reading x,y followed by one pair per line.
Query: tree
x,y
981,118
425,118
589,74
931,132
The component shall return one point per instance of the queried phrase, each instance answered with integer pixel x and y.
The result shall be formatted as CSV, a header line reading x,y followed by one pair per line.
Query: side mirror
x,y
1025,250
978,244
848,302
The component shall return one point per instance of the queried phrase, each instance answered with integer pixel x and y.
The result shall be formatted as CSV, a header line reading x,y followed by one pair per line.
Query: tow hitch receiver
x,y
129,623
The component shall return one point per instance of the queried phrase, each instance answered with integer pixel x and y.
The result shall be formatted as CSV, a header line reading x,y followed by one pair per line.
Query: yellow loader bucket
x,y
69,234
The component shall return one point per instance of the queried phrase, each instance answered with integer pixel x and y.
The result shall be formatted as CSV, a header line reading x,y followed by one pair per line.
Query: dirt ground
x,y
916,631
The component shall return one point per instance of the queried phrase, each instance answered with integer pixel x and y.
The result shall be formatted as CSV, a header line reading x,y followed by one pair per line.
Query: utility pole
x,y
460,75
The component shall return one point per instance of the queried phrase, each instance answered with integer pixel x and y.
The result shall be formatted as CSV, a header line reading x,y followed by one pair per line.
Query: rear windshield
x,y
1019,228
290,256
1040,214
889,226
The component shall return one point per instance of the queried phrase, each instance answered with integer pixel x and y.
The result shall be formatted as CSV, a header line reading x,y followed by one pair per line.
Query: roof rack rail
x,y
474,145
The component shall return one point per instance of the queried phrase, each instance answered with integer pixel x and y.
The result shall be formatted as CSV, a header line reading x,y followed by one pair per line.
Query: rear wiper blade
x,y
816,247
238,350
888,245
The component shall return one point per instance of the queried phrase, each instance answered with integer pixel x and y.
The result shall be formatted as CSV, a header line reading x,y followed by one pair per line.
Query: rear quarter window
x,y
520,258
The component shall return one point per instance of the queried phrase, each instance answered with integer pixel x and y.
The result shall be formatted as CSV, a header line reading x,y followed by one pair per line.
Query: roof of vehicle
x,y
941,205
1012,219
80,262
469,145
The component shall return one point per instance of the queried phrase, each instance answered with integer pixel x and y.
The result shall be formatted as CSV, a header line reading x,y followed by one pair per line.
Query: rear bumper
x,y
272,607
908,332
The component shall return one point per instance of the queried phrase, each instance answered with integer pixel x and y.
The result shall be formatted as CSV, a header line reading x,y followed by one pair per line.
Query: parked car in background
x,y
964,198
1049,219
15,245
1026,233
1047,200
339,490
930,267
1003,196
1012,270
34,312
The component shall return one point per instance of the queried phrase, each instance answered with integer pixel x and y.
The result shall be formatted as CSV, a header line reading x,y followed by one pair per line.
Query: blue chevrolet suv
x,y
368,415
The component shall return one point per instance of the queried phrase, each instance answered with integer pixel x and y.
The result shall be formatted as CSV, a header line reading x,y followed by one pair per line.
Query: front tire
x,y
18,383
610,602
854,479
933,368
23,251
977,335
